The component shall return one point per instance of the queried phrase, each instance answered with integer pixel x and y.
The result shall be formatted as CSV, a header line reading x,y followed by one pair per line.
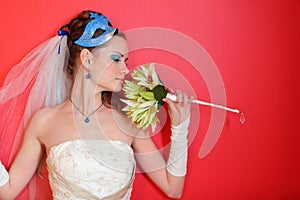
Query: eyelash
x,y
117,60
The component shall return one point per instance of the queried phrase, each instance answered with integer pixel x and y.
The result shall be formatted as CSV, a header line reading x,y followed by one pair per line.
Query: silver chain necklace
x,y
87,117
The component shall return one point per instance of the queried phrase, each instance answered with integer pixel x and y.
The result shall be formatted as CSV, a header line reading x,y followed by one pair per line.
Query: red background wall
x,y
255,45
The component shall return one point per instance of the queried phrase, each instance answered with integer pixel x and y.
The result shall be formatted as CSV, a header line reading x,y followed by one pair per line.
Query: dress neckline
x,y
88,140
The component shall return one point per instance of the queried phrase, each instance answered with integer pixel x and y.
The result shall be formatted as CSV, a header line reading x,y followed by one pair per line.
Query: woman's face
x,y
108,64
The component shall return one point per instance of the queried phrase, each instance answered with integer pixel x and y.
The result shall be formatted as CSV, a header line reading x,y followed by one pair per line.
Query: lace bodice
x,y
91,169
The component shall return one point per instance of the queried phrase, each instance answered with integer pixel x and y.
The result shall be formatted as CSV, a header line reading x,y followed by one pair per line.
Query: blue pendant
x,y
87,120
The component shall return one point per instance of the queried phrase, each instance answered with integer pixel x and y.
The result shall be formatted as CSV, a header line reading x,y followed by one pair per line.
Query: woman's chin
x,y
117,88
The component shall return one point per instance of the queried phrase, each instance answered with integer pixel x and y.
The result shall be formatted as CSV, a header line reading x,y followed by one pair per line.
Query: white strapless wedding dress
x,y
91,169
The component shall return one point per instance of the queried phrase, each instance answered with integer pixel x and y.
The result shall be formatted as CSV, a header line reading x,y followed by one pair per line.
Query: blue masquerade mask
x,y
97,22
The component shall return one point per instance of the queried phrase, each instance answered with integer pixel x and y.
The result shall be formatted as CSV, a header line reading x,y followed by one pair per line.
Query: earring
x,y
88,75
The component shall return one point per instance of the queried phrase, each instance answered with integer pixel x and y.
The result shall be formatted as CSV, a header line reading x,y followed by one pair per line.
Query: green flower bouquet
x,y
144,95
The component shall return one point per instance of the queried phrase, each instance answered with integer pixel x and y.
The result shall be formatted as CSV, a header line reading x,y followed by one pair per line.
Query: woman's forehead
x,y
116,44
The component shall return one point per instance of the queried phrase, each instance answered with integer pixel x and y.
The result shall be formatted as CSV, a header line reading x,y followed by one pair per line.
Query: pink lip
x,y
120,79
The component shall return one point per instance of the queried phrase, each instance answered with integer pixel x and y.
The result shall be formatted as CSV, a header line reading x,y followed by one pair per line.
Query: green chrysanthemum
x,y
144,94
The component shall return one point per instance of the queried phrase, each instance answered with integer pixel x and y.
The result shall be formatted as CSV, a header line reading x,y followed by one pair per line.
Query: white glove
x,y
177,161
3,175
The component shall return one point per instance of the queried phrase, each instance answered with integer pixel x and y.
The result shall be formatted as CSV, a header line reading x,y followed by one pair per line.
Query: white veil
x,y
37,81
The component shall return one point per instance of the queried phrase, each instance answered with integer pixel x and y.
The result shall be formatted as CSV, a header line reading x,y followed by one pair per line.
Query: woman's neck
x,y
85,94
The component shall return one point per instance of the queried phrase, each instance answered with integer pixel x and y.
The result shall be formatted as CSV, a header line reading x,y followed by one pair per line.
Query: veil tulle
x,y
37,81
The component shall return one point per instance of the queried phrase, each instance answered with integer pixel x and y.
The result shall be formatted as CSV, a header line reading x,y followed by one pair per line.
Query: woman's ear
x,y
85,57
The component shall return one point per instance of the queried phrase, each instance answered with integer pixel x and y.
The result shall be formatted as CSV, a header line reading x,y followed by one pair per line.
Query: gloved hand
x,y
177,161
4,177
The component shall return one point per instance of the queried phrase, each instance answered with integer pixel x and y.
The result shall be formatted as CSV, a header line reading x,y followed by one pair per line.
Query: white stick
x,y
216,106
174,98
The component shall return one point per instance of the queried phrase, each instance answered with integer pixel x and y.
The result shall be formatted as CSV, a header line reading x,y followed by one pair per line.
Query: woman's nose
x,y
124,69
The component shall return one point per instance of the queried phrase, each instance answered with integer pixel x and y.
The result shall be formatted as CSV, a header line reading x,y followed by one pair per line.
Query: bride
x,y
72,118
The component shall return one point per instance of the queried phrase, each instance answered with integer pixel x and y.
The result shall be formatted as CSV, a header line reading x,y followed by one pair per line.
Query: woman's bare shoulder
x,y
47,113
45,117
125,123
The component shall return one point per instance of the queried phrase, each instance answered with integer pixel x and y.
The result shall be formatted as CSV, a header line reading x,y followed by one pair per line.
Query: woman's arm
x,y
25,163
168,176
152,162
